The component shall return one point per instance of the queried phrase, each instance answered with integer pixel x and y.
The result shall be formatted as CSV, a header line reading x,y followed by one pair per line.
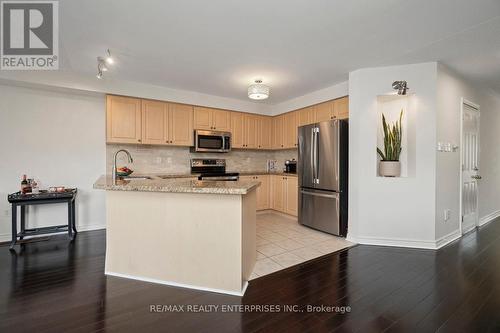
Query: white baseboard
x,y
488,218
447,239
408,243
88,227
181,285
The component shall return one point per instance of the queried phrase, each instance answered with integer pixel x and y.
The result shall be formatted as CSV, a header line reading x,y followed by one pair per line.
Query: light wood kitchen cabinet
x,y
212,119
180,124
264,132
167,123
262,192
292,195
123,119
284,194
278,193
290,130
154,122
324,111
244,130
341,107
278,127
305,116
237,130
251,130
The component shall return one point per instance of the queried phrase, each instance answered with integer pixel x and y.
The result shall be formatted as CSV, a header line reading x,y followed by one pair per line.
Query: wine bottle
x,y
24,185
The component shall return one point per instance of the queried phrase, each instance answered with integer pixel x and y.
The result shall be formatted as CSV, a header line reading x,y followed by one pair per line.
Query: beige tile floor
x,y
282,242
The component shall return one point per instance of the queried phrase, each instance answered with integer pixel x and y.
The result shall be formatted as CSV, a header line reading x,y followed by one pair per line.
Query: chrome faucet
x,y
130,160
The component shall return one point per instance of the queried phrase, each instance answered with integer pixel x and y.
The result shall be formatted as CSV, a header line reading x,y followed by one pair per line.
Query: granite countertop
x,y
193,175
176,185
257,173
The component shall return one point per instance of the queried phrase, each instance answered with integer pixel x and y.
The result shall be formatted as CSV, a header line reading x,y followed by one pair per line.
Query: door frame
x,y
464,101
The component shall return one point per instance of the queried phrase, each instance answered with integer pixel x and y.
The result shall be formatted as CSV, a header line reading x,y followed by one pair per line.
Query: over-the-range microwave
x,y
212,141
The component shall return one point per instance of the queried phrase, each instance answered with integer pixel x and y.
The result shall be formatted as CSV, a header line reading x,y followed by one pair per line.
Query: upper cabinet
x,y
341,107
278,129
132,120
180,124
324,111
212,119
123,119
135,120
264,128
246,130
290,129
335,109
305,116
154,122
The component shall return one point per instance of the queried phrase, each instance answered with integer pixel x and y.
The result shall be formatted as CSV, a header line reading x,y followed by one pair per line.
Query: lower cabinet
x,y
276,192
284,194
263,191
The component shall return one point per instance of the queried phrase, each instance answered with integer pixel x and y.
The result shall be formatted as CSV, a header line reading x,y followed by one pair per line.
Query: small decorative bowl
x,y
123,174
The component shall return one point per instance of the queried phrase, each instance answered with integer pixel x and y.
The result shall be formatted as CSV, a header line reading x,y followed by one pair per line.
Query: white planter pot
x,y
390,168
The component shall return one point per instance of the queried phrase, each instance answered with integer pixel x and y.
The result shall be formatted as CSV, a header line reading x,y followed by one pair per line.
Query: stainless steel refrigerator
x,y
322,169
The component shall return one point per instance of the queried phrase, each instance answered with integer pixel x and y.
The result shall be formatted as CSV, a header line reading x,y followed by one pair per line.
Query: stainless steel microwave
x,y
212,141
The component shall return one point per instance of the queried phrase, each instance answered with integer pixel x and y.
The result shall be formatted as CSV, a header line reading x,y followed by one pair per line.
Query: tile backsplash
x,y
175,160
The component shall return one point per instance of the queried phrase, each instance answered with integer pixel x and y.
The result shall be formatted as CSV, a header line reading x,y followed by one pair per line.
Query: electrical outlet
x,y
447,214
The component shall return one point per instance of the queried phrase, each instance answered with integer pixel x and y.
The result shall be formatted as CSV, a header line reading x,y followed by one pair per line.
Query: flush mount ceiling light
x,y
258,90
102,63
400,86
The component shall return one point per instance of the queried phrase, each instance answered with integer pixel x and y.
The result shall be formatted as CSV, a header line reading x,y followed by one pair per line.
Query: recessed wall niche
x,y
391,106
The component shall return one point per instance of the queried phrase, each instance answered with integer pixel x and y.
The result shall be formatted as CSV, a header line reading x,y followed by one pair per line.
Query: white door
x,y
470,165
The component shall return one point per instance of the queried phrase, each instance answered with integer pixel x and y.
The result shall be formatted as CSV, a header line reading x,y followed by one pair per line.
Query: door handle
x,y
323,195
476,177
312,156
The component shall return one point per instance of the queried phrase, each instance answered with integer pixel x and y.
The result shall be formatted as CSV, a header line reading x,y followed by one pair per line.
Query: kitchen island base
x,y
194,240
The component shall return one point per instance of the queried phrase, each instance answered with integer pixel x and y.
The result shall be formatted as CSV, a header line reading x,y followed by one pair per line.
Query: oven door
x,y
211,141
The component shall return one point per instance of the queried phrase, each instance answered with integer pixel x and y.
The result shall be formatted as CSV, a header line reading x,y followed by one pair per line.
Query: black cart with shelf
x,y
22,200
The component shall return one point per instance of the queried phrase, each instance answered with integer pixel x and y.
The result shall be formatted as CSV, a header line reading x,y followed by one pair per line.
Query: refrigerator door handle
x,y
312,157
322,195
316,155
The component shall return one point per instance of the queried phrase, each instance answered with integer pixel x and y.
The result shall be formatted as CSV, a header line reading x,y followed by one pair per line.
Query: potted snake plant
x,y
390,166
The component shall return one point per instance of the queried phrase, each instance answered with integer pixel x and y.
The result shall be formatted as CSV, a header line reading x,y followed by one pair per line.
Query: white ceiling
x,y
218,47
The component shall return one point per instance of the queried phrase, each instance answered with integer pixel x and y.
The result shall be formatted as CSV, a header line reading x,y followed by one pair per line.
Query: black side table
x,y
23,200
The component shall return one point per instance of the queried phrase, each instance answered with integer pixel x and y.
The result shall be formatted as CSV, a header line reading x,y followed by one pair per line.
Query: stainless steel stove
x,y
212,169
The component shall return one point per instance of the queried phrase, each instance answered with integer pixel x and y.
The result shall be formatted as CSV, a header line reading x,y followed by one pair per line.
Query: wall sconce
x,y
400,86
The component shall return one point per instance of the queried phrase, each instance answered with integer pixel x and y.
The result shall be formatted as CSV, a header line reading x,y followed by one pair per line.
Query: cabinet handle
x,y
139,140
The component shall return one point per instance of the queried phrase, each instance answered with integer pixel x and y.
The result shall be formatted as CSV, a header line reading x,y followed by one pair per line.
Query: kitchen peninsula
x,y
175,231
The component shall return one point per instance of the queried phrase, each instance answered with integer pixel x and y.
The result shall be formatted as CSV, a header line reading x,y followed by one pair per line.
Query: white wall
x,y
392,211
451,89
58,138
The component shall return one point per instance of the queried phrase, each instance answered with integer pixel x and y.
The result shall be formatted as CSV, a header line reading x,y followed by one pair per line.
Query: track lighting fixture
x,y
103,62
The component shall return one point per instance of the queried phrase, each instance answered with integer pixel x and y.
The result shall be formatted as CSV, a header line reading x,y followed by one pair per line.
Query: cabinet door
x,y
154,122
323,111
203,118
341,107
180,125
278,132
237,130
264,133
251,130
305,116
290,130
123,119
292,195
278,193
221,120
263,192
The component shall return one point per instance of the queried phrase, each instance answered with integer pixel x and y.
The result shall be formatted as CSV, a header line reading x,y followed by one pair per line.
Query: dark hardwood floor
x,y
59,287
